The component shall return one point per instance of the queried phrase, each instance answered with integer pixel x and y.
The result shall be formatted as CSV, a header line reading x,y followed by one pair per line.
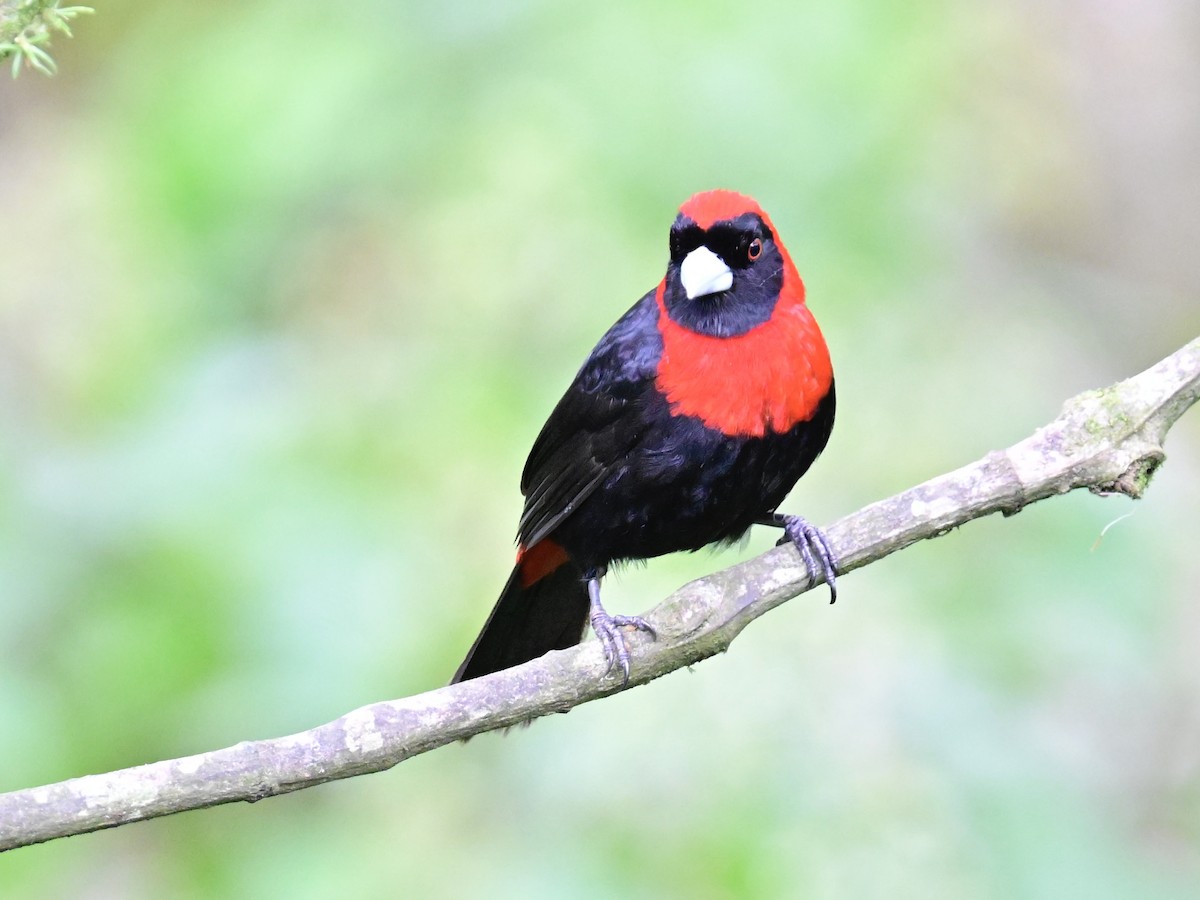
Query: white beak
x,y
703,272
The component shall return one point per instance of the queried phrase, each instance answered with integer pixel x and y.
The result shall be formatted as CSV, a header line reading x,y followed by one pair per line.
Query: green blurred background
x,y
286,293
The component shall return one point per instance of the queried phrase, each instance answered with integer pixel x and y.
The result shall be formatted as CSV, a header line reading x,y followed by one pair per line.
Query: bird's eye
x,y
754,251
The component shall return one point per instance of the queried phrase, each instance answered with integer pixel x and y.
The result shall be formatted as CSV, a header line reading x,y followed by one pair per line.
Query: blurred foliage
x,y
283,303
25,30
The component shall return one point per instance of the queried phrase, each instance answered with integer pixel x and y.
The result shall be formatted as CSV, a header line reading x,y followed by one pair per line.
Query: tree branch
x,y
1109,441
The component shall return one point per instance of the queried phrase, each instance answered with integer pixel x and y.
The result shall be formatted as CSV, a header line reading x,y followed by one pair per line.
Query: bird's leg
x,y
606,626
813,546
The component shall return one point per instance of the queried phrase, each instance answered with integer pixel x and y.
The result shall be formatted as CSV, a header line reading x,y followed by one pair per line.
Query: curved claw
x,y
813,546
607,629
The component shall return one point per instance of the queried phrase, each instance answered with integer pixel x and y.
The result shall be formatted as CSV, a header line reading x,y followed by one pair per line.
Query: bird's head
x,y
728,270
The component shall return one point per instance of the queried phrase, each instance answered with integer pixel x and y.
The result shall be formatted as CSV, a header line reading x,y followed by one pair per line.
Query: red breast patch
x,y
764,381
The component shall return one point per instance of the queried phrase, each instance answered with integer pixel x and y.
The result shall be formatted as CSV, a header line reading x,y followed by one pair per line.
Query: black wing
x,y
591,432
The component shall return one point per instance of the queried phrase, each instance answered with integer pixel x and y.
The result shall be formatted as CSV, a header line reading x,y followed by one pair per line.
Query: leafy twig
x,y
25,30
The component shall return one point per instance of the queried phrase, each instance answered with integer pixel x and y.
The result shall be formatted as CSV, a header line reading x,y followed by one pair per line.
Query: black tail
x,y
550,614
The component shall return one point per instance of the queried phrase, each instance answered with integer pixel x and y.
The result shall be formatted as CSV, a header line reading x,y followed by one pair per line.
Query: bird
x,y
689,422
